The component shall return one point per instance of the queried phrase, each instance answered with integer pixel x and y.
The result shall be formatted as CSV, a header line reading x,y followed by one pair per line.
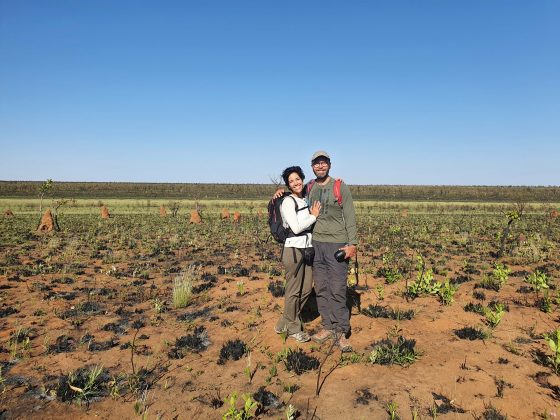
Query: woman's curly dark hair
x,y
288,171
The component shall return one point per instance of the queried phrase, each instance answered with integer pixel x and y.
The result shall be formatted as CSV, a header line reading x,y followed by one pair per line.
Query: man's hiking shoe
x,y
343,344
322,336
279,331
301,337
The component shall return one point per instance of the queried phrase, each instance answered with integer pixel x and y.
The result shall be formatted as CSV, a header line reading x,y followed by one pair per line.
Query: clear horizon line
x,y
270,183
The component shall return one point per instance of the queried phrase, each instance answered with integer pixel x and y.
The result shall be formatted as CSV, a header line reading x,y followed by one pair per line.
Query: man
x,y
335,229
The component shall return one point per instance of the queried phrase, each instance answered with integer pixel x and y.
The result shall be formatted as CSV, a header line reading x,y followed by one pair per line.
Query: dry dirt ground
x,y
99,294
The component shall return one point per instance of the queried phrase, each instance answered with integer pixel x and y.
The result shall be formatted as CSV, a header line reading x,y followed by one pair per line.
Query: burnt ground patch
x,y
266,400
86,338
213,400
471,269
40,287
18,381
542,358
525,290
477,294
239,271
541,378
84,308
23,333
232,350
477,308
53,294
209,281
274,272
377,311
365,396
92,345
83,385
63,344
120,327
196,342
63,280
102,345
276,288
492,413
7,311
202,287
100,291
126,314
520,273
6,366
470,333
298,362
461,279
140,349
236,270
445,405
191,316
495,304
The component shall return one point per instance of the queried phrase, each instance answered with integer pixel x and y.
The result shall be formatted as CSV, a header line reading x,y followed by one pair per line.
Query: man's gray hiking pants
x,y
329,277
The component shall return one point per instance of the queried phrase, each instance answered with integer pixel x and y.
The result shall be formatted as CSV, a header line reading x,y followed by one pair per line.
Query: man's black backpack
x,y
275,222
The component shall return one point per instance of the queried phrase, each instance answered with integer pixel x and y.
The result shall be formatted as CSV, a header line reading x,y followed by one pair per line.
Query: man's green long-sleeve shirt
x,y
335,224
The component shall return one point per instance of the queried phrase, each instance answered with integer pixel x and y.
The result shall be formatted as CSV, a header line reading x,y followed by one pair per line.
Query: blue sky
x,y
398,92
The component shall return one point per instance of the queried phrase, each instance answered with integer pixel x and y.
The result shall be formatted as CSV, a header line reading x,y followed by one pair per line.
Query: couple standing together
x,y
320,213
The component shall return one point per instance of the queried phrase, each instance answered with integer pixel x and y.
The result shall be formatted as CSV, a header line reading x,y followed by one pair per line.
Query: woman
x,y
299,218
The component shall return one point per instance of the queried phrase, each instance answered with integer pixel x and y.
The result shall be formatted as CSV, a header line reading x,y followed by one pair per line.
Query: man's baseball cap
x,y
320,153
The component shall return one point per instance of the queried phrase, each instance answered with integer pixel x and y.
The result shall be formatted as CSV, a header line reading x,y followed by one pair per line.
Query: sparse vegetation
x,y
497,279
246,412
182,288
400,352
425,283
494,315
89,286
553,341
538,281
83,385
446,292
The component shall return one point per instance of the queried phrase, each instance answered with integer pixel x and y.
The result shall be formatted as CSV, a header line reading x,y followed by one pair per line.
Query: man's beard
x,y
323,178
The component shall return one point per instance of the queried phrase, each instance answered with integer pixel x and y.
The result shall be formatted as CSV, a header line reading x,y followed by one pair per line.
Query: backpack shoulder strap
x,y
309,186
336,191
295,202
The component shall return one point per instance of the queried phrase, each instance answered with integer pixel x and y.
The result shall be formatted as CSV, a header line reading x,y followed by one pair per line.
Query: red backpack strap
x,y
309,186
336,191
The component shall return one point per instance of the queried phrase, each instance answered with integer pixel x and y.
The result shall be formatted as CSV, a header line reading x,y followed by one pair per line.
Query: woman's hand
x,y
315,208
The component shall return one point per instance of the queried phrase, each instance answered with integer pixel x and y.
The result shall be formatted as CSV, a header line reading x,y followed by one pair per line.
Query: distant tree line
x,y
30,189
